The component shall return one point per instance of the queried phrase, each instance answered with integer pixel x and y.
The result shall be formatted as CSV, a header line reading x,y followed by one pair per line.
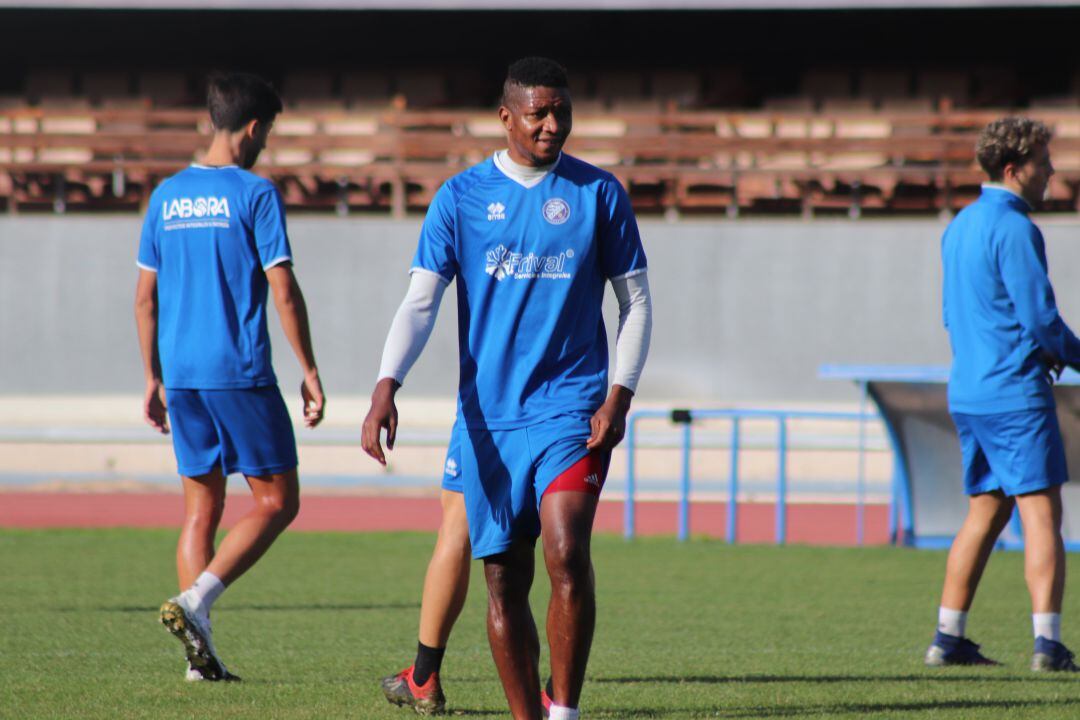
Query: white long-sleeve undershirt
x,y
415,319
635,328
412,324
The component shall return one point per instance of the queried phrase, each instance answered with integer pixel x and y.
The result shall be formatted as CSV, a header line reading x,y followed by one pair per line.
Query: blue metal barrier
x,y
686,419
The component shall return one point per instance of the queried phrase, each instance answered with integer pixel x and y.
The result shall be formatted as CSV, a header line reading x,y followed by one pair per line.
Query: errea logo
x,y
496,211
451,468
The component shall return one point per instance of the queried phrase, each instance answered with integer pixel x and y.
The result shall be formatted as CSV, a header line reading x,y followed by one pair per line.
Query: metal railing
x,y
685,418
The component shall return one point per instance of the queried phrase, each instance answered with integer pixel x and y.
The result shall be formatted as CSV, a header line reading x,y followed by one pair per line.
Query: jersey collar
x,y
526,181
1002,188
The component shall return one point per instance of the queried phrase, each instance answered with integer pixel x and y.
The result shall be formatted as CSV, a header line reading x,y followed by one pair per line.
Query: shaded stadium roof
x,y
545,5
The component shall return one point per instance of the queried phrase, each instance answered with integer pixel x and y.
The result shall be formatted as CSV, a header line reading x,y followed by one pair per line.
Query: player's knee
x,y
499,580
505,583
568,561
283,508
454,533
453,547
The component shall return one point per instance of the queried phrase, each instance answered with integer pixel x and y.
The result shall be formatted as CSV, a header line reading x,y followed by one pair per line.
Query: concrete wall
x,y
746,310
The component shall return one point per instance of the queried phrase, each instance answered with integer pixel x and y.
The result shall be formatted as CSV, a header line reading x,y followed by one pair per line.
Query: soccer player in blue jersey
x,y
532,237
1008,343
213,244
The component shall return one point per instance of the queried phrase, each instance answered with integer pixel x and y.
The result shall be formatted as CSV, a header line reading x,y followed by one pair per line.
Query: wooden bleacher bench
x,y
334,154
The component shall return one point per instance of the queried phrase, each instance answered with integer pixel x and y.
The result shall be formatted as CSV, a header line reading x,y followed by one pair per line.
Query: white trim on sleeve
x,y
277,261
418,269
145,267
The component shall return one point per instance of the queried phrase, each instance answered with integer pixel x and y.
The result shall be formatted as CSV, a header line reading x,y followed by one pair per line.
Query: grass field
x,y
685,631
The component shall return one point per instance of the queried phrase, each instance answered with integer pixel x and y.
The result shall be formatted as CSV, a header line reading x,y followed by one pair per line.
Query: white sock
x,y
558,712
951,622
204,592
1047,625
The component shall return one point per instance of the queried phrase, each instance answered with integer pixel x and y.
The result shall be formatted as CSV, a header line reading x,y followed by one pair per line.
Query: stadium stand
x,y
876,139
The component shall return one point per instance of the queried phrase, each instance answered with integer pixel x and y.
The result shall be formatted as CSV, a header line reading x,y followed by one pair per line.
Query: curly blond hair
x,y
1009,140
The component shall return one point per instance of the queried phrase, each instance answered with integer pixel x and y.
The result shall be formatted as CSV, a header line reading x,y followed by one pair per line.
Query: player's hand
x,y
609,423
1055,371
155,410
383,414
314,399
1054,367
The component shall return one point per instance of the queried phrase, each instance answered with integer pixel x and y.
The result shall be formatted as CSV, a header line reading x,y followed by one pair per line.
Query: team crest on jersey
x,y
556,211
496,211
502,264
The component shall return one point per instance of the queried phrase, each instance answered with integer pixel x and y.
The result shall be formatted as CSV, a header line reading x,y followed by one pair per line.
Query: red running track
x,y
816,524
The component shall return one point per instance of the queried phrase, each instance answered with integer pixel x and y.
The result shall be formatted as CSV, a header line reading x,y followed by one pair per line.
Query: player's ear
x,y
1009,171
252,129
504,117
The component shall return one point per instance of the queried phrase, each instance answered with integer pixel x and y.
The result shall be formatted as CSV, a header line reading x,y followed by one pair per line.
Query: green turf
x,y
686,631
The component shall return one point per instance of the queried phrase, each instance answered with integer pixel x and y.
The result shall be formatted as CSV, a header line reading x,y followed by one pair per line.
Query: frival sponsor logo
x,y
502,264
593,479
451,468
200,207
498,264
556,211
496,211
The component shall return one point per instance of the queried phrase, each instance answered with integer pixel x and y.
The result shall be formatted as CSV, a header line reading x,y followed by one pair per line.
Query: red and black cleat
x,y
426,699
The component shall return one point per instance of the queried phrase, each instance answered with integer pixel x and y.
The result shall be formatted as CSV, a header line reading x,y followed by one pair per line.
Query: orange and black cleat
x,y
426,699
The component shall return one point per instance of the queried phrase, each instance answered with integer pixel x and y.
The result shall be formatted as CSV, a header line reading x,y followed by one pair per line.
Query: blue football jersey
x,y
531,264
210,234
999,308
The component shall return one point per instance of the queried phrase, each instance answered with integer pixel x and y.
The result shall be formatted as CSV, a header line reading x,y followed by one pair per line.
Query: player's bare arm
x,y
292,310
382,414
146,308
609,422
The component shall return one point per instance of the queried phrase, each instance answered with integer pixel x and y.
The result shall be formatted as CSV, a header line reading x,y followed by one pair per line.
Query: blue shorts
x,y
504,474
246,431
1014,452
451,479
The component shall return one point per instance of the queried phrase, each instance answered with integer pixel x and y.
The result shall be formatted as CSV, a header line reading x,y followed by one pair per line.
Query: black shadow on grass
x,y
835,710
825,679
466,712
259,608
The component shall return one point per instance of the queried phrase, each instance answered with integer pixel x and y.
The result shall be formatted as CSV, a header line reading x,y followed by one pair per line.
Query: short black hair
x,y
535,72
235,99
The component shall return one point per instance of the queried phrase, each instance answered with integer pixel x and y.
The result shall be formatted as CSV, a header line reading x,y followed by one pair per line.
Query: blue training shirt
x,y
210,234
999,308
531,264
